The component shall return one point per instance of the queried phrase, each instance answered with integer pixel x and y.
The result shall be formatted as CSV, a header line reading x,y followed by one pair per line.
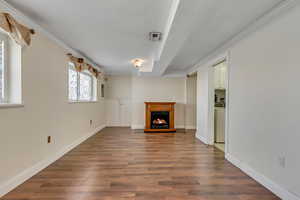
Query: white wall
x,y
124,90
191,102
263,105
118,87
157,89
204,119
264,101
24,130
118,101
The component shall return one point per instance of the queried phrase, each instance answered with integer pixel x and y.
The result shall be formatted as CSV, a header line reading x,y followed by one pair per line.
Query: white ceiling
x,y
216,22
112,33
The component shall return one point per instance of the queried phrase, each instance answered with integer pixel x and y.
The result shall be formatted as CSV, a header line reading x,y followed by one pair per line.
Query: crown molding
x,y
6,7
273,14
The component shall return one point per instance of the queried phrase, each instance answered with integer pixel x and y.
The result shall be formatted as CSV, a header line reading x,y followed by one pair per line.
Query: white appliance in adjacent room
x,y
219,124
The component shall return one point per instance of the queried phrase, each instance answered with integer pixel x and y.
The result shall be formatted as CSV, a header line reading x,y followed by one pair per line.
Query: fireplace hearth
x,y
159,117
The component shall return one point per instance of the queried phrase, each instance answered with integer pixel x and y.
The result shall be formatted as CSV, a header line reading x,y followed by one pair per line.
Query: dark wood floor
x,y
120,164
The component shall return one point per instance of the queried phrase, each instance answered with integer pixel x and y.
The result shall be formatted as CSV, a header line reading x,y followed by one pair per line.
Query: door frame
x,y
211,131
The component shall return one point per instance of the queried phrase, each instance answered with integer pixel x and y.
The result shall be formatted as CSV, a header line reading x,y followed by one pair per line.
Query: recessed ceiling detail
x,y
114,32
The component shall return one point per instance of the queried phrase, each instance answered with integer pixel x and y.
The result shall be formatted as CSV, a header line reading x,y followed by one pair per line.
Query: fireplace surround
x,y
159,117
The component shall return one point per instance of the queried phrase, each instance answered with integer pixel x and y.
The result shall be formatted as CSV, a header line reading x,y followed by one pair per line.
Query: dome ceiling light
x,y
137,63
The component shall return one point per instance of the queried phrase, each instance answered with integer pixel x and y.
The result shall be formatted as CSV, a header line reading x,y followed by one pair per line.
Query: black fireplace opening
x,y
160,120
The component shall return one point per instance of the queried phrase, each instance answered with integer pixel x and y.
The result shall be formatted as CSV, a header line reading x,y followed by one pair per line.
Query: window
x,y
82,86
10,72
86,82
73,83
3,77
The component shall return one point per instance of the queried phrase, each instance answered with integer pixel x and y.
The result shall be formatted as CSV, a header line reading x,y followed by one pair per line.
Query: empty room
x,y
149,99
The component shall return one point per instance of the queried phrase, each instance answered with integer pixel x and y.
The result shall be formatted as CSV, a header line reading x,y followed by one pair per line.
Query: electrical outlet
x,y
49,139
281,161
91,122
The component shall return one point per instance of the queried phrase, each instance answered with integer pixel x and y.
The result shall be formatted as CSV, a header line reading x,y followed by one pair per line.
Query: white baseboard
x,y
137,126
28,173
115,126
266,182
201,138
191,127
179,127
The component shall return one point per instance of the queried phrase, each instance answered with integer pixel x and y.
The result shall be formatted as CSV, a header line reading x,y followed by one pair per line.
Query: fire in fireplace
x,y
160,119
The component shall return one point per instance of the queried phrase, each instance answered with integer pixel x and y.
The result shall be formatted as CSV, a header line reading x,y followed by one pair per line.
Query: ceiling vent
x,y
155,36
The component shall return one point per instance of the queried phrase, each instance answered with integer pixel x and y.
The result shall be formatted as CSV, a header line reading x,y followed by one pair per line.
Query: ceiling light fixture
x,y
137,63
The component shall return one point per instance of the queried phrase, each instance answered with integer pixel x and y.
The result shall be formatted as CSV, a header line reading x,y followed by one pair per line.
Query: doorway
x,y
220,70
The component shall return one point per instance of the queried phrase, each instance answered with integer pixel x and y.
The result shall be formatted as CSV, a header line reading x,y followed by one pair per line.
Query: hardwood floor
x,y
120,164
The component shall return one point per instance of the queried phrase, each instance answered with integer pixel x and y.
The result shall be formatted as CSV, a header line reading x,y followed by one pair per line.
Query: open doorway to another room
x,y
220,86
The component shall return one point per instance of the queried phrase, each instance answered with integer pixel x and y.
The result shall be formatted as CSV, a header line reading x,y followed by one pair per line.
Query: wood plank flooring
x,y
120,164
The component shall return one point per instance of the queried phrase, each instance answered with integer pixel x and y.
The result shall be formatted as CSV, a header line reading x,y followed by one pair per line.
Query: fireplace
x,y
159,117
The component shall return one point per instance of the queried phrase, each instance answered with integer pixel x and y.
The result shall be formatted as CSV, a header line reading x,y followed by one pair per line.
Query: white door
x,y
125,113
118,112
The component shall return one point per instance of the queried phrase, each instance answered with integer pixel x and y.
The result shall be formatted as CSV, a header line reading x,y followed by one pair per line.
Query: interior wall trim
x,y
201,138
266,182
29,172
139,126
190,127
4,6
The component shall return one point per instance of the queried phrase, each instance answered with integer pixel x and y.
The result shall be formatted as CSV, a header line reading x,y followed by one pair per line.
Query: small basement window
x,y
82,86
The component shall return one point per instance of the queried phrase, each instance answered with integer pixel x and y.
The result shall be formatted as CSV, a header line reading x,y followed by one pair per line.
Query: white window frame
x,y
4,38
94,96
